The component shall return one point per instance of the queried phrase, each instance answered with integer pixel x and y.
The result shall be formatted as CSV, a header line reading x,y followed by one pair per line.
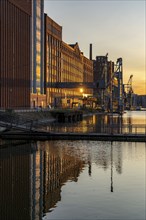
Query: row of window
x,y
55,31
73,55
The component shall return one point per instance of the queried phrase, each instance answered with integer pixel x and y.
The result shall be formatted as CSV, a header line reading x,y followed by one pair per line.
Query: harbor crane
x,y
128,93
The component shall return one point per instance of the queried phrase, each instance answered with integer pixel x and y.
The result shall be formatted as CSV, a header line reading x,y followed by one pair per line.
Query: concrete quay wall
x,y
43,136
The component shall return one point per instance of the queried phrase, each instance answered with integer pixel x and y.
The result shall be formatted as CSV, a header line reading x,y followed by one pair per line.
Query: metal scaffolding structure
x,y
128,93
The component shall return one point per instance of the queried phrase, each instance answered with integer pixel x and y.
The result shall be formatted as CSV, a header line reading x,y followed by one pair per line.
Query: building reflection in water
x,y
67,162
36,176
59,167
21,183
31,175
31,178
15,163
101,123
109,123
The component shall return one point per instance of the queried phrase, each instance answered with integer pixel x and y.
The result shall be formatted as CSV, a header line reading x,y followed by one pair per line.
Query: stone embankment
x,y
27,120
38,117
24,119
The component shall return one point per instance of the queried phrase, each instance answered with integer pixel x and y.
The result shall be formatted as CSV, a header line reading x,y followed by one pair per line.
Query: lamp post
x,y
73,99
37,99
81,91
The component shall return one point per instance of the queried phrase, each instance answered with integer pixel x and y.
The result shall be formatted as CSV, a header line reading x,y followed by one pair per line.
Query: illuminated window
x,y
38,47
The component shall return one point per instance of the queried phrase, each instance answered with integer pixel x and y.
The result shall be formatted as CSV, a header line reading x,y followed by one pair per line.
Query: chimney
x,y
90,52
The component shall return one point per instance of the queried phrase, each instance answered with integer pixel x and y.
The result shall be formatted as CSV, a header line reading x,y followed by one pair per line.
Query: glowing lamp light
x,y
81,90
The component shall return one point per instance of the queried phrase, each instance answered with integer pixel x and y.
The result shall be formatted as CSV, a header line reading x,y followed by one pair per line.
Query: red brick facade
x,y
15,53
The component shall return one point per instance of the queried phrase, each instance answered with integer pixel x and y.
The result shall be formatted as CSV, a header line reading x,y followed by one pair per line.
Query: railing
x,y
125,129
135,129
31,109
13,120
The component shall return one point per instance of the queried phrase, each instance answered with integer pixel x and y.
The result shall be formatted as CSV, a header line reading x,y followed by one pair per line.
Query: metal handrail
x,y
135,129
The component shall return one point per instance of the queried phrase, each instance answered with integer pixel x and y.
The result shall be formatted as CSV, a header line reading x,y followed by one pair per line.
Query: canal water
x,y
73,180
130,122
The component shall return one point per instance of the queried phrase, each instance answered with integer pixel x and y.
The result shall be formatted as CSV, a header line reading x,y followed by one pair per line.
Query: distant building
x,y
52,68
106,82
100,72
72,71
112,85
64,63
75,68
110,70
87,74
141,101
15,53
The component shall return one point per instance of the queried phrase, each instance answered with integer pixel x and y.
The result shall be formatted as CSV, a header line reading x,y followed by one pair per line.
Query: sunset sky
x,y
113,27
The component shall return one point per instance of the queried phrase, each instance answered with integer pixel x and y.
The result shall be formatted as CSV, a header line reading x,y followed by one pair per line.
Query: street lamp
x,y
37,98
81,90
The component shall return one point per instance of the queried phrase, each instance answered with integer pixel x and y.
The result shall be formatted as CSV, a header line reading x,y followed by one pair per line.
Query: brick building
x,y
15,53
30,58
107,85
64,63
87,74
52,67
22,53
72,71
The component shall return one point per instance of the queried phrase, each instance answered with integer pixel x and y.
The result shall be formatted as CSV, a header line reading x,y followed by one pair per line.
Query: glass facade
x,y
38,47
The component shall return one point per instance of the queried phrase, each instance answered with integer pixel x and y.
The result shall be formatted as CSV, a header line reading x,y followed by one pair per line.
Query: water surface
x,y
73,180
130,122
